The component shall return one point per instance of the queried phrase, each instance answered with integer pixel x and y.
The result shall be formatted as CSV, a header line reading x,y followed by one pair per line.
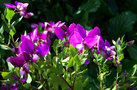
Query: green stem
x,y
75,78
101,84
117,82
66,81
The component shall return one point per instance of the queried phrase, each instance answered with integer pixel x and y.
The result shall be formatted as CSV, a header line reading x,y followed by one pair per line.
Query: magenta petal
x,y
5,87
26,67
22,72
26,45
86,62
75,38
42,24
26,14
81,30
34,35
17,61
42,49
107,43
35,57
10,5
41,35
34,26
95,31
59,33
71,28
92,41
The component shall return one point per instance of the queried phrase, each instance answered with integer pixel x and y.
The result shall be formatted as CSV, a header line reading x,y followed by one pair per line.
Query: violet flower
x,y
93,38
87,62
130,43
26,45
57,28
107,51
20,8
17,61
42,49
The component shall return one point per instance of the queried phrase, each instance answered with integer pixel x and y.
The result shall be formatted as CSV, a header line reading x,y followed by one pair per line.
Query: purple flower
x,y
59,33
5,87
34,26
130,43
87,62
51,26
42,49
77,35
20,8
17,61
26,45
26,14
71,29
93,38
10,5
131,88
75,38
26,67
107,51
35,57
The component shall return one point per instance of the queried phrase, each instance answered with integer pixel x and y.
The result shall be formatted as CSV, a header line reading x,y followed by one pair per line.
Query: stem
x,y
75,78
41,81
13,41
117,81
66,82
101,84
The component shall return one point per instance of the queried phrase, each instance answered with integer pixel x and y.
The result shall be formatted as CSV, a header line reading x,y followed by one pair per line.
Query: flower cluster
x,y
20,8
36,44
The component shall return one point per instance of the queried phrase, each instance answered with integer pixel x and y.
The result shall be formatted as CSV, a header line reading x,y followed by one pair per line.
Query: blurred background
x,y
115,18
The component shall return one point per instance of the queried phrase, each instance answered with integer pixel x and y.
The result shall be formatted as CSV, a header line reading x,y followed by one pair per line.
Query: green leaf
x,y
77,60
70,64
12,31
119,68
27,85
59,68
6,75
29,79
40,87
133,78
10,66
91,6
1,30
78,84
73,50
17,21
86,82
5,27
121,24
133,70
4,47
39,28
57,81
9,14
101,77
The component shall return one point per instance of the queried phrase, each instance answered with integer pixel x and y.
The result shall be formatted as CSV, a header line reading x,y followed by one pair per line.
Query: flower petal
x,y
75,38
10,5
17,61
81,30
59,33
42,49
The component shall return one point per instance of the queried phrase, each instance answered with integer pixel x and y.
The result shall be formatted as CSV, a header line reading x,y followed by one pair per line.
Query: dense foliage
x,y
75,54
